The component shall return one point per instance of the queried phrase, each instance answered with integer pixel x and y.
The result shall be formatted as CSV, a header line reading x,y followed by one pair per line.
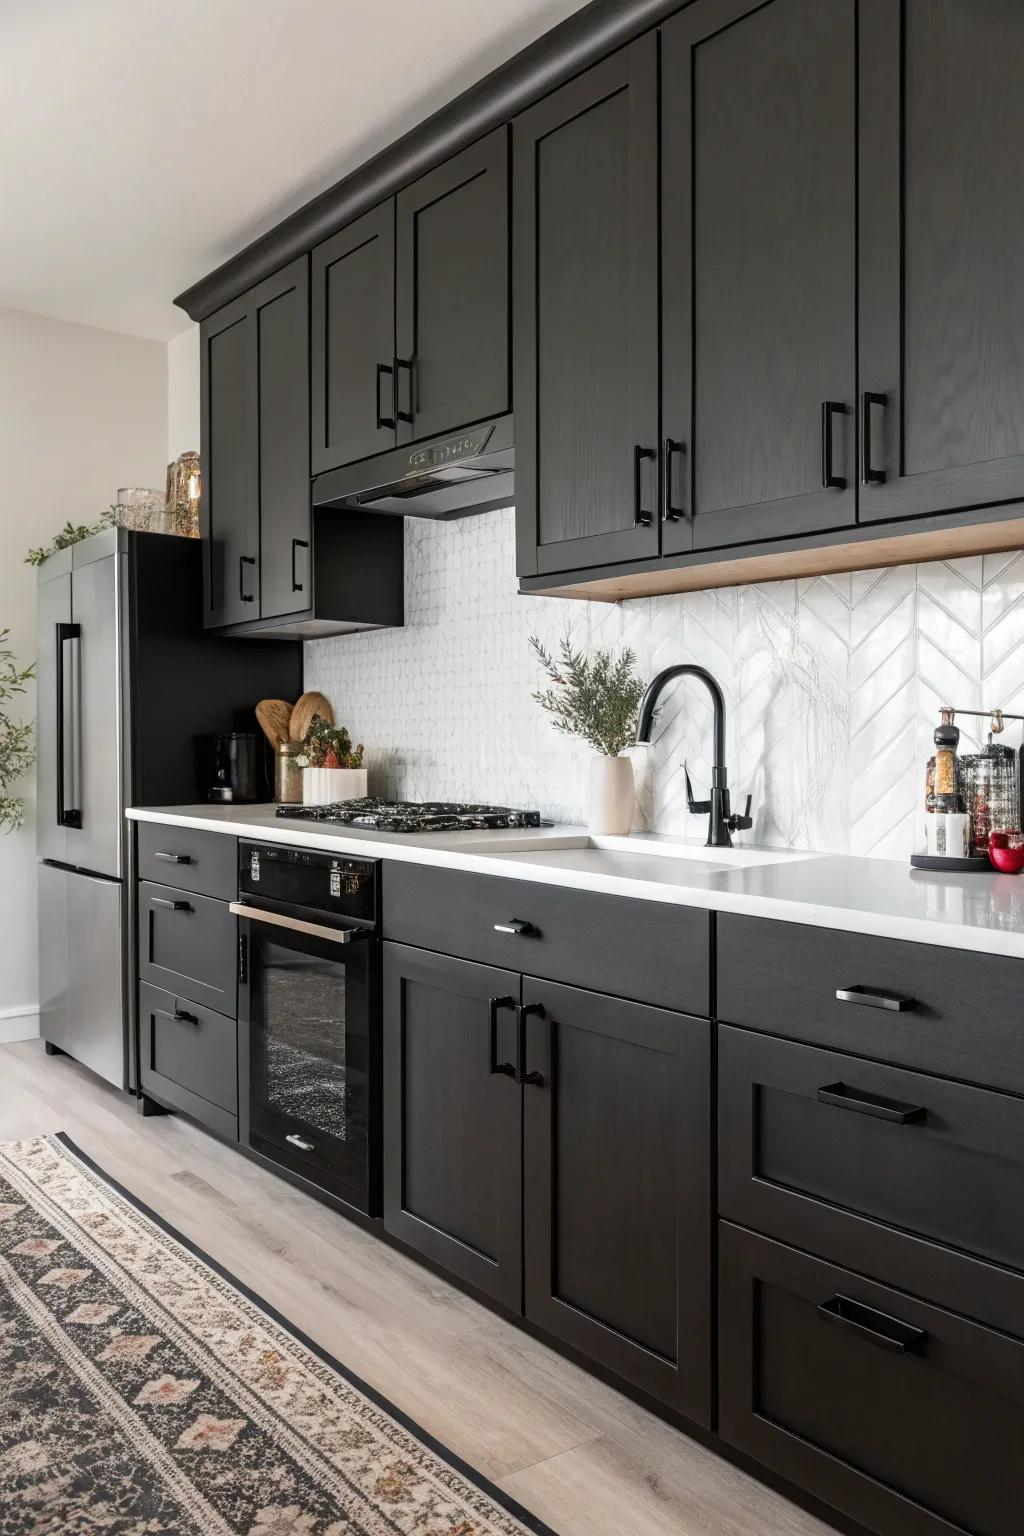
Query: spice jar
x,y
288,773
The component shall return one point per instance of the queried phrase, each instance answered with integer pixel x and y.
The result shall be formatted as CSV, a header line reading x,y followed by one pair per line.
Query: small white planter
x,y
612,796
325,786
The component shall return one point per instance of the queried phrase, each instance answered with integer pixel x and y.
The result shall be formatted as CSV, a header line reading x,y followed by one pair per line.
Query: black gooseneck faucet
x,y
723,821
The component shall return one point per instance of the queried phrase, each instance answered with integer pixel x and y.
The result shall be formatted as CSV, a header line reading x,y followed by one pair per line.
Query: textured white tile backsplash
x,y
832,685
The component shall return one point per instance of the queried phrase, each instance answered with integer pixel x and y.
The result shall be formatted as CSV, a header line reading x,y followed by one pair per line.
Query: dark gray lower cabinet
x,y
188,1058
617,1187
188,945
907,1417
540,1129
452,1125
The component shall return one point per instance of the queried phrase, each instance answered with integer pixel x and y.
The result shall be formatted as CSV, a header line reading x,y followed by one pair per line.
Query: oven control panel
x,y
320,883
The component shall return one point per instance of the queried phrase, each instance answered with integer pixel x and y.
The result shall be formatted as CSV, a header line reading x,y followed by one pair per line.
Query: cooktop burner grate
x,y
414,816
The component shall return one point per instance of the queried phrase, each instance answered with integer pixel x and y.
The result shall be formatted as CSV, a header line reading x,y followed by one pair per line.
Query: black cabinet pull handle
x,y
297,544
409,366
641,519
868,474
830,480
178,1015
174,858
386,421
671,514
862,1103
870,997
505,1068
877,1327
172,906
243,561
523,1012
517,927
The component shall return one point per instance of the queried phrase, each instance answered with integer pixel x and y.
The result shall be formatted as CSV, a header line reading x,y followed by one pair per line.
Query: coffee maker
x,y
227,768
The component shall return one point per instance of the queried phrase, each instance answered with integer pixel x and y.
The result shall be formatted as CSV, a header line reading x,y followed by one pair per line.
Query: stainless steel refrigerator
x,y
126,681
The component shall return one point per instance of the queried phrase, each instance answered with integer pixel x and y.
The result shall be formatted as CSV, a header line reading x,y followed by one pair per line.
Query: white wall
x,y
183,393
82,412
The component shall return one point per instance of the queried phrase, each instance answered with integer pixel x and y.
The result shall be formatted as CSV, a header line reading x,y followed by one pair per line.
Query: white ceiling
x,y
142,142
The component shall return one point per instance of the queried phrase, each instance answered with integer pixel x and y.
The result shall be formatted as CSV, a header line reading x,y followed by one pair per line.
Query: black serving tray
x,y
979,865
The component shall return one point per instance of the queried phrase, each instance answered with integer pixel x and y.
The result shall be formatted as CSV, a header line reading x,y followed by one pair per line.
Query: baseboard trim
x,y
18,1024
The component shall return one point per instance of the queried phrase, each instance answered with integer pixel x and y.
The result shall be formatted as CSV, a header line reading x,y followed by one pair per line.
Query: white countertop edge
x,y
776,908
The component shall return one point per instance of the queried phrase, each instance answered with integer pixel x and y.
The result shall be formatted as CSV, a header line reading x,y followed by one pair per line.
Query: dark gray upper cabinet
x,y
758,207
452,293
941,250
353,343
255,450
410,312
585,266
230,521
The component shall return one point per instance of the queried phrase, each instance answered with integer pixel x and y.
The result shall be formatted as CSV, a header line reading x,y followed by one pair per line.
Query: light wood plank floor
x,y
572,1450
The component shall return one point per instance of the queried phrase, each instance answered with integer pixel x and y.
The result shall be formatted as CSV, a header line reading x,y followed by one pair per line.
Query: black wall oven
x,y
309,963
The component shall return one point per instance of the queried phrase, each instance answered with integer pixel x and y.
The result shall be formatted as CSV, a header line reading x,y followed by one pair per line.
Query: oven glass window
x,y
313,1065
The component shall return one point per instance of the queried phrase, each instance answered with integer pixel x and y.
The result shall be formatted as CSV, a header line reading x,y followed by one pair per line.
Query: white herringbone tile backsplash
x,y
832,683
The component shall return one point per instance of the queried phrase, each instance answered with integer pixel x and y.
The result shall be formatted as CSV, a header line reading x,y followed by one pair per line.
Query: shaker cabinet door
x,y
585,265
758,206
617,1187
453,1117
353,341
941,254
230,508
452,293
281,335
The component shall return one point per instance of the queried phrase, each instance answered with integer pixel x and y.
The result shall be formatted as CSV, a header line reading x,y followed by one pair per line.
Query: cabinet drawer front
x,y
188,1055
930,1158
959,1011
188,944
642,950
189,859
907,1418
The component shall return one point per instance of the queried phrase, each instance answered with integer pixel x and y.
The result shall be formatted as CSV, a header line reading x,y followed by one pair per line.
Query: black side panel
x,y
187,683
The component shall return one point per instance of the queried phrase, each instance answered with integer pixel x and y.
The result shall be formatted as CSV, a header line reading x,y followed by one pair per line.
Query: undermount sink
x,y
623,854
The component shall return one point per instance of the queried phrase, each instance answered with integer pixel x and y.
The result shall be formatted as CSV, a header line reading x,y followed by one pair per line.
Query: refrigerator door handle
x,y
69,692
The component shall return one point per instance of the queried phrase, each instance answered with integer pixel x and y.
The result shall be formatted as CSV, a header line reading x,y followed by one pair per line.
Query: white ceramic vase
x,y
612,796
324,786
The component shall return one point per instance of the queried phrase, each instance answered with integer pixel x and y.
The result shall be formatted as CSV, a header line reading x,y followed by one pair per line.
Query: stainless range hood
x,y
466,472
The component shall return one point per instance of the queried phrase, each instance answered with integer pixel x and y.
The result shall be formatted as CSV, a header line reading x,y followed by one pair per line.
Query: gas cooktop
x,y
414,816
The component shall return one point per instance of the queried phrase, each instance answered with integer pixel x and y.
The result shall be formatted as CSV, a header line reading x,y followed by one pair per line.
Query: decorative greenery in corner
x,y
17,753
595,697
71,533
329,746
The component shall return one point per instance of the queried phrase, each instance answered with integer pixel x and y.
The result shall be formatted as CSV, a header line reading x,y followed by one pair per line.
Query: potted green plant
x,y
17,754
332,769
597,698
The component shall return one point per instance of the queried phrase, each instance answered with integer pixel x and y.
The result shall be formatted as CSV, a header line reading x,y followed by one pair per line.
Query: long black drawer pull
x,y
877,1327
523,1012
172,906
386,421
174,858
868,473
505,1068
870,997
829,479
671,514
870,1104
641,518
179,1016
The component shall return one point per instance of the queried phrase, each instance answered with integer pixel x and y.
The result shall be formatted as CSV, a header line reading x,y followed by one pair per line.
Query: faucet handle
x,y
737,823
698,807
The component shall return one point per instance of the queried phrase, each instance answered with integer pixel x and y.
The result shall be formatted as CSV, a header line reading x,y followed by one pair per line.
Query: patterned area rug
x,y
143,1390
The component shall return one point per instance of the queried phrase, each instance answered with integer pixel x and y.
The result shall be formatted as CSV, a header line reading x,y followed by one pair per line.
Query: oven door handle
x,y
298,925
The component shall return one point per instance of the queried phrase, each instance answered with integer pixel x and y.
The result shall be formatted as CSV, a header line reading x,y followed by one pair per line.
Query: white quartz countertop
x,y
872,896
